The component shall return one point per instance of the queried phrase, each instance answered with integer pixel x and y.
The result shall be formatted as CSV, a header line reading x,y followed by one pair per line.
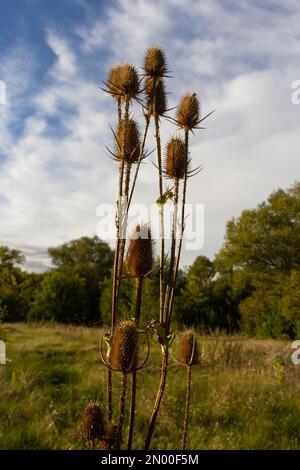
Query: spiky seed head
x,y
114,81
132,141
123,82
155,64
157,98
130,82
140,252
175,164
110,436
92,422
124,346
189,349
188,111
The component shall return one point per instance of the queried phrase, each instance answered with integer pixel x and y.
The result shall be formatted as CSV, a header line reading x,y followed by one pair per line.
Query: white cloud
x,y
241,58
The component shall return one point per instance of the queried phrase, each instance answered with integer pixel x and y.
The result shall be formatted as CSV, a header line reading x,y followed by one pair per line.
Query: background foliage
x,y
252,285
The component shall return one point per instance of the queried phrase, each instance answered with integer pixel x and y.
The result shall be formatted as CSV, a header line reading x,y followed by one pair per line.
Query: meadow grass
x,y
240,399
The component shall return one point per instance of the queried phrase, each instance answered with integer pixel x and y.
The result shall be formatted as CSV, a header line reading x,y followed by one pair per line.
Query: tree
x,y
89,260
61,298
263,246
12,305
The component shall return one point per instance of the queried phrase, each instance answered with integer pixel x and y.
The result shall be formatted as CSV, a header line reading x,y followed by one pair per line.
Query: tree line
x,y
252,285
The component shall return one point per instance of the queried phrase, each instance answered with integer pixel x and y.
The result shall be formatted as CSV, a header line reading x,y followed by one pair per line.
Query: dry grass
x,y
238,399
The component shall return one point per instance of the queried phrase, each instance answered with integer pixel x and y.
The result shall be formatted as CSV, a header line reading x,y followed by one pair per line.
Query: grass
x,y
240,400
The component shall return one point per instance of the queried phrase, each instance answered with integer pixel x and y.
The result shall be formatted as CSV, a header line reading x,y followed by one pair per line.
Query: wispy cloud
x,y
240,57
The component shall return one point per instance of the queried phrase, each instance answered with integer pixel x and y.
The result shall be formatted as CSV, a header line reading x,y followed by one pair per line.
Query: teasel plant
x,y
155,72
123,84
139,266
122,357
189,356
177,167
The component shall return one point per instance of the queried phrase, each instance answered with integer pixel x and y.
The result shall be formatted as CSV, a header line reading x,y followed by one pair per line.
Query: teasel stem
x,y
163,379
139,288
139,160
172,291
187,404
119,105
161,216
116,274
169,305
123,226
122,407
172,258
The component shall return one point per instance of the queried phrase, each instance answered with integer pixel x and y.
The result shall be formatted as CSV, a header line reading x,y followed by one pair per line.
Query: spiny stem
x,y
172,293
173,251
187,405
122,407
163,378
115,286
161,217
139,160
139,287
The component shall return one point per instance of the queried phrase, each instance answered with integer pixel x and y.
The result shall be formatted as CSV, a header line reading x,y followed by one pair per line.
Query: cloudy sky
x,y
240,57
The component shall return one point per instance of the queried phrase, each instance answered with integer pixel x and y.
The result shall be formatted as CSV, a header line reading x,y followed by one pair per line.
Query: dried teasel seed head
x,y
188,111
114,81
130,82
132,141
92,422
157,98
140,252
110,437
155,64
124,346
123,82
189,350
175,164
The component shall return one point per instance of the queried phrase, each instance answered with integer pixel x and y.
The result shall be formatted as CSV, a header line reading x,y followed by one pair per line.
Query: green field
x,y
240,398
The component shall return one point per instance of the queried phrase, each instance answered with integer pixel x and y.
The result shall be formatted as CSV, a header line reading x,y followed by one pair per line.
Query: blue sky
x,y
241,58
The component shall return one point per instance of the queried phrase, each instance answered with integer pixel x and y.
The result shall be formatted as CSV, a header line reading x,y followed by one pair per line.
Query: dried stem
x,y
187,404
173,251
122,407
161,217
116,275
139,288
172,292
163,378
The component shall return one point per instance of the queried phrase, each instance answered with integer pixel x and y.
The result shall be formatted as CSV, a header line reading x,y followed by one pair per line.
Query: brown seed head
x,y
175,164
124,346
123,82
155,63
132,141
188,111
157,98
189,349
140,252
92,422
114,81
